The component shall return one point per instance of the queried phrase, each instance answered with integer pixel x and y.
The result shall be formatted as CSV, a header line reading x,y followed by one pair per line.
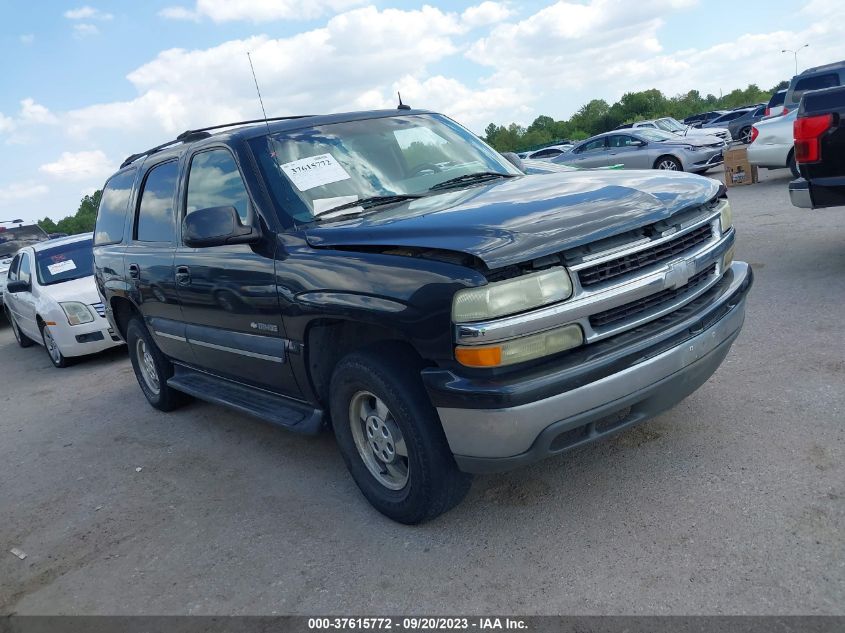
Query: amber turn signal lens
x,y
479,356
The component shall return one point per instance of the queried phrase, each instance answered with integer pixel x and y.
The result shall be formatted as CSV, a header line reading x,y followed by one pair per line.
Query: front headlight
x,y
77,313
693,148
522,349
511,296
726,216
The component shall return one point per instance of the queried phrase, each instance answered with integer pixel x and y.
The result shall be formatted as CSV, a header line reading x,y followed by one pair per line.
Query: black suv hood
x,y
519,219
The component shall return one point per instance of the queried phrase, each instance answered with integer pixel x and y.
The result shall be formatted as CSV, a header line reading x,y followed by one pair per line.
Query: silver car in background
x,y
645,148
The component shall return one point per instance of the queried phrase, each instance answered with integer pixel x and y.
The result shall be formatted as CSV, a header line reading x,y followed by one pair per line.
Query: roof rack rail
x,y
189,136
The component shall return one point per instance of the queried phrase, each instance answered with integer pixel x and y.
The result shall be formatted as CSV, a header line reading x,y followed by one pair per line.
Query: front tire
x,y
152,368
52,348
22,339
390,437
669,163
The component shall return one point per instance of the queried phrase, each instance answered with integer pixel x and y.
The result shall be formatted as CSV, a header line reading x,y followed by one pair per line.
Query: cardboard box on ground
x,y
738,171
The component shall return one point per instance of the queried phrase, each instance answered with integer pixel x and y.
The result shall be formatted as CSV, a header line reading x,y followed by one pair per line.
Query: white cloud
x,y
7,124
87,13
32,112
84,30
179,13
181,88
18,191
75,166
486,13
257,10
26,39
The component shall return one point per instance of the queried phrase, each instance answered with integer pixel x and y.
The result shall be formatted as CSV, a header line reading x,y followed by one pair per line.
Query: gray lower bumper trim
x,y
799,194
509,432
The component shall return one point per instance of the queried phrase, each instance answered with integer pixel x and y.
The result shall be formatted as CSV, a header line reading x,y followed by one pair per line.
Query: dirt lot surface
x,y
734,502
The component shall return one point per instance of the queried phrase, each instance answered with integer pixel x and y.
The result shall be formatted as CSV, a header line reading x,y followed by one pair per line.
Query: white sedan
x,y
51,299
772,143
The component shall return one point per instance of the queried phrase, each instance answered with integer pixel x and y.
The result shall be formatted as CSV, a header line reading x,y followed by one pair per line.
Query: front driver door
x,y
228,293
590,154
628,151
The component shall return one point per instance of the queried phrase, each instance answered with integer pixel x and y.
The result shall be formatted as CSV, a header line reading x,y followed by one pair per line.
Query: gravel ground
x,y
730,503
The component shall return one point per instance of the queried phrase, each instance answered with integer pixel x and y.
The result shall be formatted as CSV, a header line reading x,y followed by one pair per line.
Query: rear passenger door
x,y
228,293
149,258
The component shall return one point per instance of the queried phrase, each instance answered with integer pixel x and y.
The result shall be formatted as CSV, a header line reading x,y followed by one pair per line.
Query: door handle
x,y
183,275
134,271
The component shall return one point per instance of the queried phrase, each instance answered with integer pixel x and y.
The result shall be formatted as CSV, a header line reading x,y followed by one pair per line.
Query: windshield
x,y
656,135
65,262
670,125
315,170
13,238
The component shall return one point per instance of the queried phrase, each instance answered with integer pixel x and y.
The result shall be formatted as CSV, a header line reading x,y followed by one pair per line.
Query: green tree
x,y
81,222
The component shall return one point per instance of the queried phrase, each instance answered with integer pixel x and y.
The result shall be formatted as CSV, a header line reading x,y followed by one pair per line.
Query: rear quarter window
x,y
111,216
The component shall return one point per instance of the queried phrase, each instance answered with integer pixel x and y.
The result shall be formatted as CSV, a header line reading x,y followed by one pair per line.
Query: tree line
x,y
598,116
80,222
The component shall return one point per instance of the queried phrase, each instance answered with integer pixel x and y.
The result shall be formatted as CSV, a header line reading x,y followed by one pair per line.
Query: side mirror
x,y
515,160
216,226
641,143
18,286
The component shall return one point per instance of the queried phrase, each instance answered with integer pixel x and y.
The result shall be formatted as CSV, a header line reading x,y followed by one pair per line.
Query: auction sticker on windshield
x,y
61,267
314,171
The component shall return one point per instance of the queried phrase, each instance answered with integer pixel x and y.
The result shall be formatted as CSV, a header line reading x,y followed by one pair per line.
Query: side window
x,y
112,212
592,146
25,274
818,82
13,268
621,140
155,211
214,181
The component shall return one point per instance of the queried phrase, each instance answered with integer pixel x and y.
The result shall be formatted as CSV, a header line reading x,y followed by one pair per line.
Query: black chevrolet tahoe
x,y
389,275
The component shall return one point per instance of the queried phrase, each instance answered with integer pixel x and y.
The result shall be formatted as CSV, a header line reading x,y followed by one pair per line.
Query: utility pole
x,y
795,54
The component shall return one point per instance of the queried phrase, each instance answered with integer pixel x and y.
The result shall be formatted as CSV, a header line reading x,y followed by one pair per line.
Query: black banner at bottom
x,y
532,624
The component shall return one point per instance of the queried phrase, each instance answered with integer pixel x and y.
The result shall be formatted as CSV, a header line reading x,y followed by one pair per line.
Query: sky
x,y
85,85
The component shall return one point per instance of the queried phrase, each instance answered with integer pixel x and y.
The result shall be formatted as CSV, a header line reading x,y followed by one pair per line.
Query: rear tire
x,y
793,166
22,339
391,439
745,134
152,368
668,163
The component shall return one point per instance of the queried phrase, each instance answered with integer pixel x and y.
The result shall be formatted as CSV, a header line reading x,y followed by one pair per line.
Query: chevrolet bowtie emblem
x,y
678,274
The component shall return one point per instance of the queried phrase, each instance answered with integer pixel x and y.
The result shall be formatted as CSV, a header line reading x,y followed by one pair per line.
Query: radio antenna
x,y
258,90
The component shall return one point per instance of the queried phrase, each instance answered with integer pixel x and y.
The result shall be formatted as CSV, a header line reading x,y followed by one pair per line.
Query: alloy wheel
x,y
52,347
667,164
147,367
379,440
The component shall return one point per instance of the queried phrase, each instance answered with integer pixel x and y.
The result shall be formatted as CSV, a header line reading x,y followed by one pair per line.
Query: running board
x,y
272,408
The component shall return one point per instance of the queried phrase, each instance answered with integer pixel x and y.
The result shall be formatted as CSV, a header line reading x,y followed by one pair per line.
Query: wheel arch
x,y
122,310
668,155
327,341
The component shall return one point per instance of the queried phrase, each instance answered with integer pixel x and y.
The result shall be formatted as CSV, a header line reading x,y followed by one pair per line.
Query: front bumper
x,y
88,338
707,160
494,426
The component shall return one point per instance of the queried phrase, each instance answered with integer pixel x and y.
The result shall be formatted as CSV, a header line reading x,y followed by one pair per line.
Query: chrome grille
x,y
634,261
632,309
100,308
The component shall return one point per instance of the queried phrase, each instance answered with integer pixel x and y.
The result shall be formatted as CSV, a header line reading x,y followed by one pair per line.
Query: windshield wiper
x,y
479,176
367,203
